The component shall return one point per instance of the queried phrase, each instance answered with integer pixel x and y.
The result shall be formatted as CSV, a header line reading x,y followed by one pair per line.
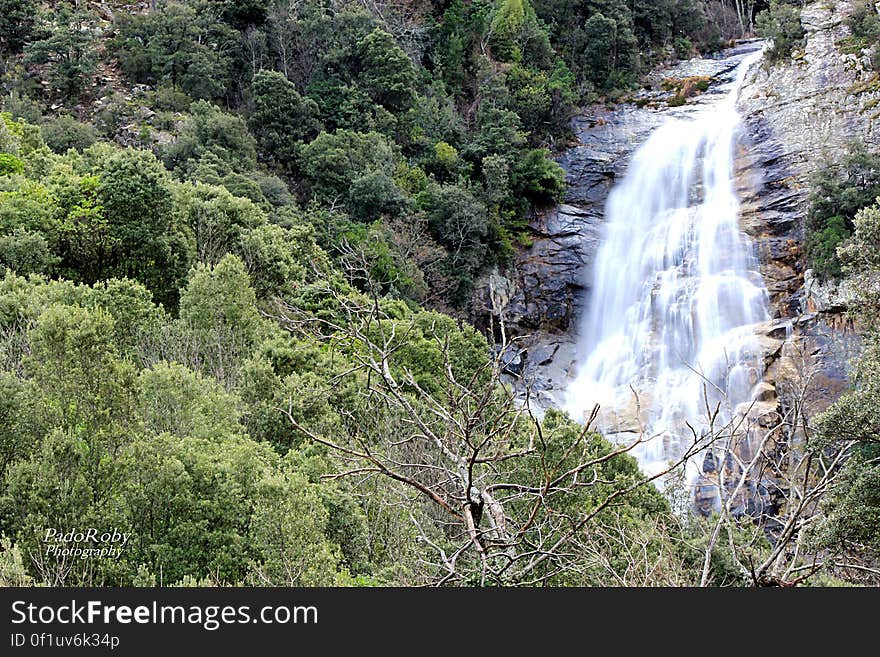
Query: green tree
x,y
10,164
72,476
459,221
21,423
289,522
135,192
538,178
333,160
516,34
852,514
17,22
216,218
69,50
173,399
281,119
385,71
600,37
82,235
542,99
244,13
26,253
839,191
375,194
75,363
131,305
30,207
209,131
860,255
279,259
66,132
499,133
190,501
18,137
219,307
183,44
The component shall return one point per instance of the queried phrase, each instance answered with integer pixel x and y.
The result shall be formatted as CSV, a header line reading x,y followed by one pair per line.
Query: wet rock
x,y
545,287
541,354
812,368
707,498
758,413
509,358
501,290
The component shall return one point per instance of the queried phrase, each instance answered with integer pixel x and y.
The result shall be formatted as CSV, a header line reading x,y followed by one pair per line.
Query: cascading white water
x,y
675,290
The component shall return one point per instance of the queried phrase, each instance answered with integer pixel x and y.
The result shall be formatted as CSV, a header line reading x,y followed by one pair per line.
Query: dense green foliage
x,y
839,191
286,93
145,385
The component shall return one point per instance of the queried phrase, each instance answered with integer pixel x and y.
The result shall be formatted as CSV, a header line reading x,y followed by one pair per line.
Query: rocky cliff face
x,y
796,114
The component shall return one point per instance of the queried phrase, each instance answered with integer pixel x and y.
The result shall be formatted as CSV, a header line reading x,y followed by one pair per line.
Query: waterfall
x,y
674,290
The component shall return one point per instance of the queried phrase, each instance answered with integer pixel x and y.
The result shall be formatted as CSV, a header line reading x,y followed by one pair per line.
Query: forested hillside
x,y
238,239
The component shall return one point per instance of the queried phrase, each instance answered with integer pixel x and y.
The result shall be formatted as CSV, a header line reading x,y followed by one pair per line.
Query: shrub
x,y
281,119
65,132
821,246
332,161
25,253
683,47
538,178
9,164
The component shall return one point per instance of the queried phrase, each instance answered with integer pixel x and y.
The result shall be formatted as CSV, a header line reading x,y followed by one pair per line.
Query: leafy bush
x,y
821,247
385,71
374,195
26,253
66,132
281,119
538,178
209,131
135,191
459,221
683,47
9,164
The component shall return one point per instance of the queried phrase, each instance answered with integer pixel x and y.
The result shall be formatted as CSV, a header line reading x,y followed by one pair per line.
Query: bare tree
x,y
515,506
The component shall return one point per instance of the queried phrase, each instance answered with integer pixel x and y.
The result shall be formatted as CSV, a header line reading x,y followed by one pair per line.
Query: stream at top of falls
x,y
667,347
